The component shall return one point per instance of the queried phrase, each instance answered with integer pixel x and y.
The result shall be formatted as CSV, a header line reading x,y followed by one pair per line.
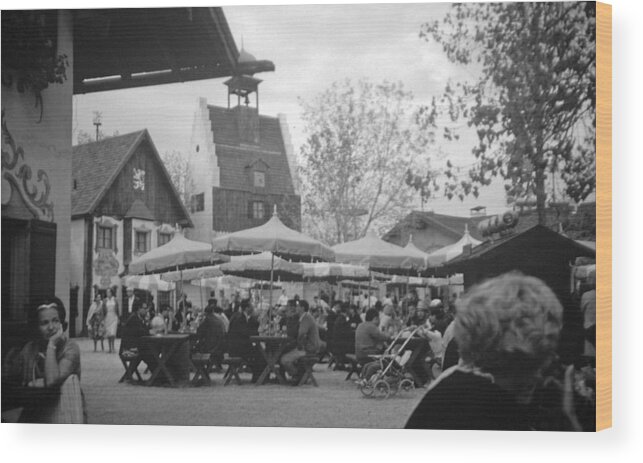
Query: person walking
x,y
111,319
96,322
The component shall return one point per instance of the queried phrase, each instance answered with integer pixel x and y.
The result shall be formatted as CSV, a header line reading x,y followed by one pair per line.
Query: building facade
x,y
242,166
123,205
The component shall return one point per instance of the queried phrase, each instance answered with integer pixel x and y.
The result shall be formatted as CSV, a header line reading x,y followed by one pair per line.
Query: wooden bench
x,y
130,361
355,367
202,364
308,362
232,373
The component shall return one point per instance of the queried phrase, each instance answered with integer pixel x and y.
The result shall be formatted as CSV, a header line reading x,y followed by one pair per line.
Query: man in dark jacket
x,y
211,335
308,342
243,325
135,328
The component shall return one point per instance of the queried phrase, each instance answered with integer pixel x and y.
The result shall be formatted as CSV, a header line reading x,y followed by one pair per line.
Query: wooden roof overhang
x,y
126,48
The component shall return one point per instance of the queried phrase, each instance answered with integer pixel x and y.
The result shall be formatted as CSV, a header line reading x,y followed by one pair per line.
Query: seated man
x,y
308,342
211,335
369,340
135,328
243,325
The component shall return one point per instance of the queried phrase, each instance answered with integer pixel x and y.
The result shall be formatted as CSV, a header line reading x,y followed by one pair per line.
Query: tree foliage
x,y
178,167
362,139
533,105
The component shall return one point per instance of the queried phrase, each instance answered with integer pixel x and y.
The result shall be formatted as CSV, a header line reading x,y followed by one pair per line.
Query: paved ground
x,y
335,403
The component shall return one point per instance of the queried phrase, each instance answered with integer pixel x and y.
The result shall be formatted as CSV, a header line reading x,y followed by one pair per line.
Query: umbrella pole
x,y
370,282
272,266
201,291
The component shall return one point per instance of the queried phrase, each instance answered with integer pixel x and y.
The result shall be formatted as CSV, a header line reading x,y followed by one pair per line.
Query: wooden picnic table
x,y
172,353
271,348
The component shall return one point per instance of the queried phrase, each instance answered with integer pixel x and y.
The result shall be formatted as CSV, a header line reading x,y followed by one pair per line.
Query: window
x,y
197,203
164,238
260,179
258,210
105,238
140,241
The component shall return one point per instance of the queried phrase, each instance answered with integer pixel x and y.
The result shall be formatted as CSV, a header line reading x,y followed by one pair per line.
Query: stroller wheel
x,y
366,388
382,389
406,385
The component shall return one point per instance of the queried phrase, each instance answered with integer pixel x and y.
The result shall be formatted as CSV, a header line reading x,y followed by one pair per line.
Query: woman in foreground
x,y
507,330
44,377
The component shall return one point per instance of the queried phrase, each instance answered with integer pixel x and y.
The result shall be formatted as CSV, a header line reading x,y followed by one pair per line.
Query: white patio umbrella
x,y
377,255
451,251
179,253
147,282
276,238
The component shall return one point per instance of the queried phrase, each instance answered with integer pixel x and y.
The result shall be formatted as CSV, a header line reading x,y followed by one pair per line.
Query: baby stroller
x,y
392,375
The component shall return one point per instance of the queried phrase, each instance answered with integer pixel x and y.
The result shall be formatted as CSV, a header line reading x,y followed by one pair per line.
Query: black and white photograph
x,y
304,216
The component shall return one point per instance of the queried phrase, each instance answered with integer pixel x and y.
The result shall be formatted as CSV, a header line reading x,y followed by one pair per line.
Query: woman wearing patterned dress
x,y
111,319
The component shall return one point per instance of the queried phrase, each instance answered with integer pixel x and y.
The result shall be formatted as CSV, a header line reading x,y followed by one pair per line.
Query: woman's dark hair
x,y
35,310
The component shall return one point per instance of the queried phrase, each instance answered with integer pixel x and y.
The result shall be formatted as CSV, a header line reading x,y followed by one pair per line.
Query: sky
x,y
311,47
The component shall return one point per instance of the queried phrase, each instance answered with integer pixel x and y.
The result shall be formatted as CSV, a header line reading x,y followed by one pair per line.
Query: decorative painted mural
x,y
17,179
106,267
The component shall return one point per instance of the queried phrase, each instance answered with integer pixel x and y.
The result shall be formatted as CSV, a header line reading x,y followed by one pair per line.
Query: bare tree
x,y
362,139
177,166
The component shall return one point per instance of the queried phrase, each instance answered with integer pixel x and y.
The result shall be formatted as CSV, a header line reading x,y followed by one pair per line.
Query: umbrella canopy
x,y
178,252
445,254
211,271
333,271
415,254
376,254
261,266
275,237
147,282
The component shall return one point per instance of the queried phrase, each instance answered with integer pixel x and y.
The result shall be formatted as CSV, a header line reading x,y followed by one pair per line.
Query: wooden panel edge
x,y
603,216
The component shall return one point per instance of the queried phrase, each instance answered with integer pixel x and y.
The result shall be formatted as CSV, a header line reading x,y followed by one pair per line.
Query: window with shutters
x,y
105,238
141,239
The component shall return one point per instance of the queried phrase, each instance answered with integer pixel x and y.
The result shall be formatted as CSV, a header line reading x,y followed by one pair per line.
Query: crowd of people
x,y
487,360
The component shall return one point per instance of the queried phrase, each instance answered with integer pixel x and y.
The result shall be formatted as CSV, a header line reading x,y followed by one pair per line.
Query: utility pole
x,y
97,123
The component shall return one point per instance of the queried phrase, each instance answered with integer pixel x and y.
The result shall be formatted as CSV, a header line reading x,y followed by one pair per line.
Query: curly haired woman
x,y
507,330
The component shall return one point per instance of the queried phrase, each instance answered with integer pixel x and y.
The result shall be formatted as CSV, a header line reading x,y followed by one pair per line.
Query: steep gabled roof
x,y
96,165
234,164
235,158
449,224
224,129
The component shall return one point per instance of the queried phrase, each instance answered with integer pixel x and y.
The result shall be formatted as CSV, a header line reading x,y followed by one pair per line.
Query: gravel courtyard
x,y
335,403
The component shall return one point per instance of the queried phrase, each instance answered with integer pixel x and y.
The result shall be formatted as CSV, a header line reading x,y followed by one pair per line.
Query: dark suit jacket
x,y
134,329
239,333
211,335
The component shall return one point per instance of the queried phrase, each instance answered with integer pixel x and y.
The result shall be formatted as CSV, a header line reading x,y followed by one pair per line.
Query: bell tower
x,y
244,86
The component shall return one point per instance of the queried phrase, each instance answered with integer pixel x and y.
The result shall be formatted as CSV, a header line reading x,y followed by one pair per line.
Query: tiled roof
x,y
235,158
224,128
234,164
94,167
453,225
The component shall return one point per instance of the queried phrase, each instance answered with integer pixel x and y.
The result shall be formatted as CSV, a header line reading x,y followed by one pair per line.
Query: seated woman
x,y
44,377
507,330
